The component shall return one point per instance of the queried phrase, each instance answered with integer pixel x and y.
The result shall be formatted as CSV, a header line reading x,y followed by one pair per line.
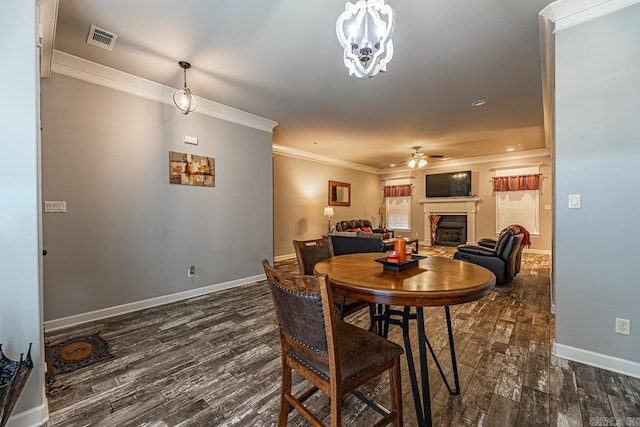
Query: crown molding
x,y
518,155
304,155
79,68
567,13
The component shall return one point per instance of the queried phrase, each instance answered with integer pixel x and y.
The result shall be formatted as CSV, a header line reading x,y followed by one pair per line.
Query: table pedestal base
x,y
382,318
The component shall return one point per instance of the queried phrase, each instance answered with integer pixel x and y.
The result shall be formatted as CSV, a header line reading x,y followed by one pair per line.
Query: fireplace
x,y
450,206
451,230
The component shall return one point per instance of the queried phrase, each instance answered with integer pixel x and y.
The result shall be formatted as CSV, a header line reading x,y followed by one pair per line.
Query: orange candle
x,y
400,246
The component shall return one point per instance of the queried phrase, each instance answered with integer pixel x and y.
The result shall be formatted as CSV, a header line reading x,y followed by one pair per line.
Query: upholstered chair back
x,y
508,241
311,252
300,312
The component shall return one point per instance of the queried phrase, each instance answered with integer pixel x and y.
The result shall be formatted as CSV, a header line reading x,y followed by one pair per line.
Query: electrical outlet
x,y
623,326
191,271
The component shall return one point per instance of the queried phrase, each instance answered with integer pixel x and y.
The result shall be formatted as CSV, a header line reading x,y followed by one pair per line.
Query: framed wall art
x,y
190,169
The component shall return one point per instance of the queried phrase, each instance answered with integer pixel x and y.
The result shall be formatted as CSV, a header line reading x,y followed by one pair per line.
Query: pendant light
x,y
183,98
364,30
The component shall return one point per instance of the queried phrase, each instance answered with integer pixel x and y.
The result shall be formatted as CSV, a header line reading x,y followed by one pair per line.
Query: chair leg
x,y
372,312
396,392
285,408
336,411
342,304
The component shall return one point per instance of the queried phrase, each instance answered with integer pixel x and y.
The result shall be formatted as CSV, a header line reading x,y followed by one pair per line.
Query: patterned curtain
x,y
397,190
517,183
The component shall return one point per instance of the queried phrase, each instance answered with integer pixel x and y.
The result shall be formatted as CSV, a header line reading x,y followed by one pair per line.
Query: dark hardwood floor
x,y
214,360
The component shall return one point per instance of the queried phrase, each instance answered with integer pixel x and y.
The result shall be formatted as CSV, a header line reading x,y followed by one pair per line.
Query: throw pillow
x,y
354,230
367,230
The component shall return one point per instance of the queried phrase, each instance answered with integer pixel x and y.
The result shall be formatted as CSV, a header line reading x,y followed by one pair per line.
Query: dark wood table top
x,y
435,282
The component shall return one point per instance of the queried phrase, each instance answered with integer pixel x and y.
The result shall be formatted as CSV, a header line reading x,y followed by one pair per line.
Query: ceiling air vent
x,y
101,38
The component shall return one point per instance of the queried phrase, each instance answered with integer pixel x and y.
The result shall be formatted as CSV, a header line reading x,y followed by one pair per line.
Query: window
x,y
518,207
398,208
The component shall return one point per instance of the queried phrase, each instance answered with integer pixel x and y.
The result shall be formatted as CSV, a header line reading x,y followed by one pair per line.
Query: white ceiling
x,y
280,59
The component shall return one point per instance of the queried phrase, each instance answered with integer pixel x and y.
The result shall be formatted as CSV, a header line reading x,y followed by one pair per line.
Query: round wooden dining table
x,y
434,281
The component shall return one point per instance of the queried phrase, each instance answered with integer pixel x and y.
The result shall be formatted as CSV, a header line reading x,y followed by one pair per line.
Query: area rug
x,y
78,352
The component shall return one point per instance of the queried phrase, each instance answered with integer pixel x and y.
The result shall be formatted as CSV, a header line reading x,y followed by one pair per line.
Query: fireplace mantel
x,y
450,206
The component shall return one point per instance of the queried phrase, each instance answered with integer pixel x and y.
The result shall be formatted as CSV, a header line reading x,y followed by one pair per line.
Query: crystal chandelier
x,y
183,98
418,160
364,30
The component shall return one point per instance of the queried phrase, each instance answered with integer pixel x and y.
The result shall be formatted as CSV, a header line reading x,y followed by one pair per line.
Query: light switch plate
x,y
56,206
191,140
575,201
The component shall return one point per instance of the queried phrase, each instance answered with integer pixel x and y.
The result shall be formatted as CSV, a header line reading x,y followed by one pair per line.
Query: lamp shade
x,y
381,211
328,212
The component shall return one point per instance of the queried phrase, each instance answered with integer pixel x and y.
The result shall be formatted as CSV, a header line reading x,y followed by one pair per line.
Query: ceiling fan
x,y
419,160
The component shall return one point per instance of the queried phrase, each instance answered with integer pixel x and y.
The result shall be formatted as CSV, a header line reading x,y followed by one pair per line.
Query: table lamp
x,y
328,212
381,212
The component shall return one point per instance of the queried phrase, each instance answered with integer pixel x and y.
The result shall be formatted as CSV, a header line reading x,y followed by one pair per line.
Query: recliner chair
x,y
491,244
501,260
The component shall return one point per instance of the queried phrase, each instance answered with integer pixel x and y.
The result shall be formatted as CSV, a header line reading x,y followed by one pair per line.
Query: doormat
x,y
78,352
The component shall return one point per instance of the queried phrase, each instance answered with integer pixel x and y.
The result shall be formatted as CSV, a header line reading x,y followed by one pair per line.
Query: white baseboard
x,y
591,358
537,251
34,417
284,257
65,322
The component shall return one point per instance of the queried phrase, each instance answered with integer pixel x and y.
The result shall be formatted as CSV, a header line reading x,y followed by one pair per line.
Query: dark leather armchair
x,y
501,260
491,244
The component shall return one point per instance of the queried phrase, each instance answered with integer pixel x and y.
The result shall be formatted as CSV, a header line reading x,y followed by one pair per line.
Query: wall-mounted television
x,y
454,184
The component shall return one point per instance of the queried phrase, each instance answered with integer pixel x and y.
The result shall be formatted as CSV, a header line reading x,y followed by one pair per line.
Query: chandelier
x,y
184,99
364,29
418,160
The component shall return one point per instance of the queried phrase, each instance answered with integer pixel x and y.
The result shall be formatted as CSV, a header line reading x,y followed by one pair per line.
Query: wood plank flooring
x,y
214,360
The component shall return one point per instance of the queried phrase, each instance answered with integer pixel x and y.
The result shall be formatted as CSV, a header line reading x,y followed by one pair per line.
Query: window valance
x,y
517,182
397,190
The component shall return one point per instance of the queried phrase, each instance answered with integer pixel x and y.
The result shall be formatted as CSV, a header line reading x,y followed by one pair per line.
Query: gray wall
x,y
301,194
129,235
20,308
481,183
597,155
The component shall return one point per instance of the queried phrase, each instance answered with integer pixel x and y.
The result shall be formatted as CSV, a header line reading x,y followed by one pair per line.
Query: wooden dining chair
x,y
308,254
335,356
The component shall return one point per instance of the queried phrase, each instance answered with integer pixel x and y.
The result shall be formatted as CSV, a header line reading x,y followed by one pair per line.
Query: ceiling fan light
x,y
417,160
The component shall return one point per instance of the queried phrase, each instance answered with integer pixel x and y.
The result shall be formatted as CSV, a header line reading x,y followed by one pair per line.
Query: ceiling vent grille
x,y
101,38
